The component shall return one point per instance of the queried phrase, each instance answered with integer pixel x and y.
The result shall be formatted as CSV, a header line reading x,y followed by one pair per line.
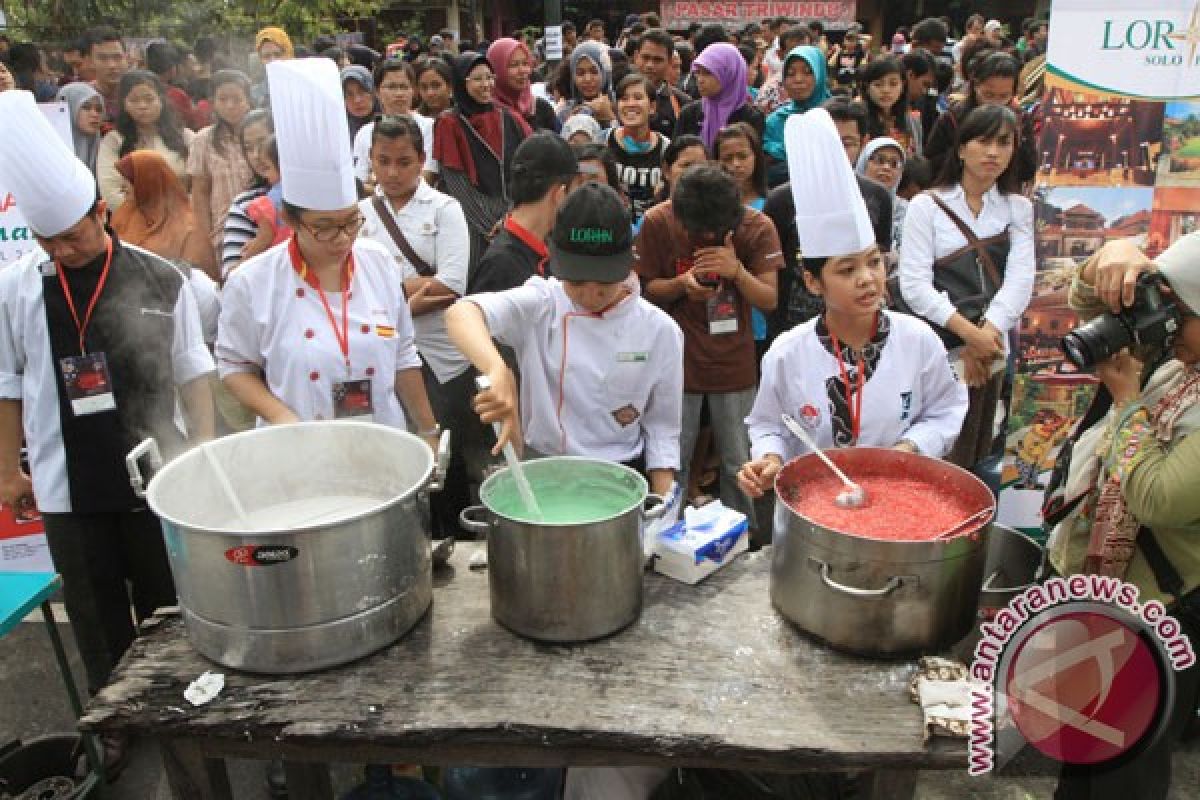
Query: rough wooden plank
x,y
890,784
709,674
191,774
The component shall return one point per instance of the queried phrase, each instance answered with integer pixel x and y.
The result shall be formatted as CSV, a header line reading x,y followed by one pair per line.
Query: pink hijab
x,y
498,55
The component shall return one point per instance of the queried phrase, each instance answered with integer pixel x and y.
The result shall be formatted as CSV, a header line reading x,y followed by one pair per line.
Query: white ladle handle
x,y
803,436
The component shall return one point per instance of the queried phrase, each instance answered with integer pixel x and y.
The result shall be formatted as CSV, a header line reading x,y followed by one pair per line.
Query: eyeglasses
x,y
482,79
884,161
328,233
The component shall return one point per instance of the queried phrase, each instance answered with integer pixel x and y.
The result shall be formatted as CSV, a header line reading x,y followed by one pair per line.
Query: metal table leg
x,y
91,744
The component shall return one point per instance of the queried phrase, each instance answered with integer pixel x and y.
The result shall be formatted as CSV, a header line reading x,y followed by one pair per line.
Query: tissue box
x,y
700,544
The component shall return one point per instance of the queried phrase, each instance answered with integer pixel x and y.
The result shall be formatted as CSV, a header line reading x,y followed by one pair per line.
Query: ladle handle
x,y
803,436
982,514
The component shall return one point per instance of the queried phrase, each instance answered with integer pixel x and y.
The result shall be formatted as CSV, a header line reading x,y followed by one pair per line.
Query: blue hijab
x,y
777,121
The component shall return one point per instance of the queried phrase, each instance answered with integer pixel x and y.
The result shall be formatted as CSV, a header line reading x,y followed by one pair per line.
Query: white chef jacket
x,y
436,230
607,386
912,394
362,146
929,234
272,320
27,369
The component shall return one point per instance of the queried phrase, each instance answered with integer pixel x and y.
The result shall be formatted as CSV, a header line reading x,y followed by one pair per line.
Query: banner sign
x,y
1119,158
1138,49
15,237
678,14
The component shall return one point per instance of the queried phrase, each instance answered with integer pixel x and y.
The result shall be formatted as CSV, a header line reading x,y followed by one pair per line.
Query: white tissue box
x,y
705,540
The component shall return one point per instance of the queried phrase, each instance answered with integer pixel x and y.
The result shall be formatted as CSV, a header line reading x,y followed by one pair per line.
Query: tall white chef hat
x,y
53,188
312,134
831,217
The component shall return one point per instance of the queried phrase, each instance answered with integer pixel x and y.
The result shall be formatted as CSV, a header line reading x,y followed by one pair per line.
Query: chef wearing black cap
x,y
601,368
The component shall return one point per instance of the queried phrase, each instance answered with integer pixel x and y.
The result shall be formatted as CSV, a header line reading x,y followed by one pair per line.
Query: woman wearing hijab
x,y
157,214
358,90
882,160
721,79
86,107
513,64
270,44
473,143
807,85
591,85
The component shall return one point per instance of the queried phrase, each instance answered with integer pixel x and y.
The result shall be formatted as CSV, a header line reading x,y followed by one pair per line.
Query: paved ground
x,y
32,703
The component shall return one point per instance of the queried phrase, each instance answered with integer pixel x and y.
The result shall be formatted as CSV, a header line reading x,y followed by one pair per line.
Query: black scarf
x,y
838,392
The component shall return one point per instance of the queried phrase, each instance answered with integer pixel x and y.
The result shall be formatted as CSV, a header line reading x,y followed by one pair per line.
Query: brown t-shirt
x,y
712,363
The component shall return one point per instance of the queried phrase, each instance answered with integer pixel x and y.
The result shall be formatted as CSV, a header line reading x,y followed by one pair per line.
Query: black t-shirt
x,y
796,304
640,173
692,118
506,264
665,116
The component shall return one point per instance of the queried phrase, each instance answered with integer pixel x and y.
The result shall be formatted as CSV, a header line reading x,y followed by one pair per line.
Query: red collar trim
x,y
527,238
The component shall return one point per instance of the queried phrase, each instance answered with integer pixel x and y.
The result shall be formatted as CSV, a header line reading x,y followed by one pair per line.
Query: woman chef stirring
x,y
856,375
601,368
318,327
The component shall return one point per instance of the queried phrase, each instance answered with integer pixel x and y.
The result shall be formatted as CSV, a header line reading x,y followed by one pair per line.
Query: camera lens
x,y
1095,341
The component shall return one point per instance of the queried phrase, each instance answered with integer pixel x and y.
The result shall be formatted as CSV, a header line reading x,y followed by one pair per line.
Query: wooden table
x,y
709,676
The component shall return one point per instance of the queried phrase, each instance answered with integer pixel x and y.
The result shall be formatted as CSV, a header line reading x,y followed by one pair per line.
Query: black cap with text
x,y
593,236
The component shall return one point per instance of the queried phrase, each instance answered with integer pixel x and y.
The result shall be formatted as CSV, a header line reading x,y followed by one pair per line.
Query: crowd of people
x,y
654,249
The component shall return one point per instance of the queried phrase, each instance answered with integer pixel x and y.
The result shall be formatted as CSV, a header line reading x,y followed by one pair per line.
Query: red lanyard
x,y
853,401
342,336
87,318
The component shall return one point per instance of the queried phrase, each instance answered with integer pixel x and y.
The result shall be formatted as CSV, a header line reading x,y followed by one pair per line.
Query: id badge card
x,y
723,312
89,384
353,399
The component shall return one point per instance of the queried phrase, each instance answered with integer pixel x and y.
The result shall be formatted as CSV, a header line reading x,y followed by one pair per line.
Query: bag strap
x,y
1165,574
389,224
985,257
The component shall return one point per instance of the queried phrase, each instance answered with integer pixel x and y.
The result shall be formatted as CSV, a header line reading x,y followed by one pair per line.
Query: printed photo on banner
x,y
1179,164
1176,212
1094,139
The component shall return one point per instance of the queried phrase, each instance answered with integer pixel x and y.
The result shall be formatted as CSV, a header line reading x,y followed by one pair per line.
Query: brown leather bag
x,y
389,224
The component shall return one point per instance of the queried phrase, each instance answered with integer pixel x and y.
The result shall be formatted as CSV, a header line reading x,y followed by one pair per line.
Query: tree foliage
x,y
57,20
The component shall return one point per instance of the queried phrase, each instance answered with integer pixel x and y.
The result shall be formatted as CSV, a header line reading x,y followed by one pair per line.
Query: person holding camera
x,y
1129,506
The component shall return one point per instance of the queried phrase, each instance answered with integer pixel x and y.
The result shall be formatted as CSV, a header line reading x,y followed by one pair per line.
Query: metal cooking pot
x,y
332,558
565,582
1014,563
874,597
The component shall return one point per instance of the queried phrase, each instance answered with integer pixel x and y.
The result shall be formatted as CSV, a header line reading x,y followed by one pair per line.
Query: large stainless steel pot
x,y
282,590
1015,562
565,582
873,597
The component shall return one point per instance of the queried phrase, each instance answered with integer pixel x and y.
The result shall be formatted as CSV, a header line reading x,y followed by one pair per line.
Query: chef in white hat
x,y
98,338
856,375
318,327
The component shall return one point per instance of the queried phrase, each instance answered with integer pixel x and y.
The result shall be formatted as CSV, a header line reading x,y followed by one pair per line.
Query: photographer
x,y
1131,485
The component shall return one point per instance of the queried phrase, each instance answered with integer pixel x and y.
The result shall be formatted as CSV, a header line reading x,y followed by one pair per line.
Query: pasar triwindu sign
x,y
835,15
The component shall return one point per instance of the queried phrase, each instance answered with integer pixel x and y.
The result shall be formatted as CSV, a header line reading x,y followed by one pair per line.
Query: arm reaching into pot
x,y
468,329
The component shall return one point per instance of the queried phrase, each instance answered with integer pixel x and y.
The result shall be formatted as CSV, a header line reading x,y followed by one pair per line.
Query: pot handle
x,y
893,583
148,449
466,518
441,464
656,510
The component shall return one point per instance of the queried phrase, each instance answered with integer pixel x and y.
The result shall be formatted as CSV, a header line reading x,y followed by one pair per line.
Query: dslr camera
x,y
1152,321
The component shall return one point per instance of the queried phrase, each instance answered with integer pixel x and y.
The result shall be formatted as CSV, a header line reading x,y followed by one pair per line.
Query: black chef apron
x,y
133,325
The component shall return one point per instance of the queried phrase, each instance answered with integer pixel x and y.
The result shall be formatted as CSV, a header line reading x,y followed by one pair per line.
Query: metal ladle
x,y
853,495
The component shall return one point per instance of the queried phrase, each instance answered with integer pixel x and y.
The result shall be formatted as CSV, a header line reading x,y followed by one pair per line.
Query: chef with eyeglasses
x,y
318,327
